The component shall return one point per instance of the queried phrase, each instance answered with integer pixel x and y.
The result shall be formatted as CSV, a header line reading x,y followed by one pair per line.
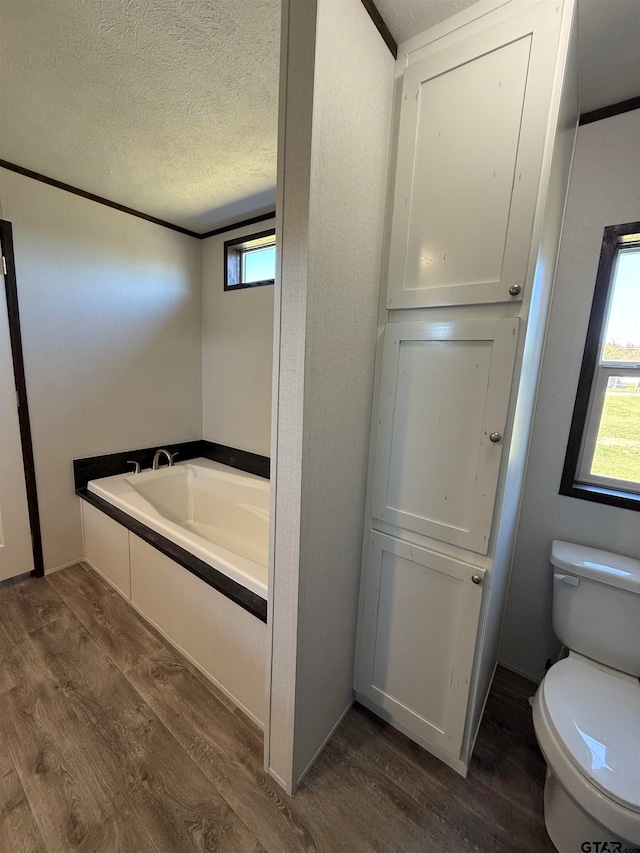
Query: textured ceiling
x,y
408,18
170,106
609,41
166,106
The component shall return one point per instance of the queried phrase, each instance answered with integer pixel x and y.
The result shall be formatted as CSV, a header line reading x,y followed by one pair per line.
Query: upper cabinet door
x,y
443,408
473,119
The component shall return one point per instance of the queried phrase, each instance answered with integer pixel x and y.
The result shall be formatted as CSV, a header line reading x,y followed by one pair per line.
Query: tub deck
x,y
184,509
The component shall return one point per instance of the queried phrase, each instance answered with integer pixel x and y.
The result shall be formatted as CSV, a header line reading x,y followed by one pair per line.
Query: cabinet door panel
x,y
445,389
469,152
420,624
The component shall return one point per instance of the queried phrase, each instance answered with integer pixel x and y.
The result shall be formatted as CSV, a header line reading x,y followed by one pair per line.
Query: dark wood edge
x,y
569,486
36,176
60,185
381,26
237,593
242,224
268,232
96,467
247,285
610,111
15,337
229,244
602,495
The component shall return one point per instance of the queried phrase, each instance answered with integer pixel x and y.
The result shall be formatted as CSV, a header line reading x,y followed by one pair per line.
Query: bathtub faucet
x,y
158,454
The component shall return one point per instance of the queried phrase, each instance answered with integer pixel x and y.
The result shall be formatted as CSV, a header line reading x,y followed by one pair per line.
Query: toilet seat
x,y
587,721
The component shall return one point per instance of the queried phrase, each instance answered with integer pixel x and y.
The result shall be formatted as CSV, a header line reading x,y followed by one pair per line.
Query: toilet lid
x,y
596,715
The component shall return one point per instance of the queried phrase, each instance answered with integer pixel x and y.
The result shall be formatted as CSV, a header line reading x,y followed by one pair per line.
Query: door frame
x,y
15,338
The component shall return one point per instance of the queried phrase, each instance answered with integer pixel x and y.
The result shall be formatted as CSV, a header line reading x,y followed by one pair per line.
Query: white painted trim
x,y
292,223
445,28
522,672
285,788
103,576
383,318
84,539
568,55
63,566
325,742
526,360
469,742
275,385
455,552
591,425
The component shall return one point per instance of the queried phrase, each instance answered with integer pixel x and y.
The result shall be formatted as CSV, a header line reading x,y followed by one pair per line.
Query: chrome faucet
x,y
158,455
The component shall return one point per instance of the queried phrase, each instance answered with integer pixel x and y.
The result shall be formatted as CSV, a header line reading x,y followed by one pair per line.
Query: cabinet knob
x,y
495,437
476,579
514,290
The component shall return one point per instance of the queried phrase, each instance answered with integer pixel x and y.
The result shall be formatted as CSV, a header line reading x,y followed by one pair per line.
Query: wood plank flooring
x,y
111,741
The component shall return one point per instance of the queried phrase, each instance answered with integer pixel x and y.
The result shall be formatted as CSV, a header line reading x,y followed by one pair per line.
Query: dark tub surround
x,y
239,594
96,467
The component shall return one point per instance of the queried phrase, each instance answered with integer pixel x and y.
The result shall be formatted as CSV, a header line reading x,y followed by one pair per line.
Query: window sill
x,y
601,494
244,284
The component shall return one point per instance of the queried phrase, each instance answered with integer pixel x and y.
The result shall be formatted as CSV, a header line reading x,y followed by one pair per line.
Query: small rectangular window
x,y
250,261
603,453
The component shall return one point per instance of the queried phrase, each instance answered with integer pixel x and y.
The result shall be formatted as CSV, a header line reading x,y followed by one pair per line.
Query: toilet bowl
x,y
587,721
586,711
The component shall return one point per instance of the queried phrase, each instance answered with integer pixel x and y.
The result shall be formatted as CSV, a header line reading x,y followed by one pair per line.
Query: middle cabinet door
x,y
443,407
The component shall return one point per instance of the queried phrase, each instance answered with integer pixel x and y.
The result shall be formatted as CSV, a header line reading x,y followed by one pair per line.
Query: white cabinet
x,y
487,118
443,407
473,122
421,615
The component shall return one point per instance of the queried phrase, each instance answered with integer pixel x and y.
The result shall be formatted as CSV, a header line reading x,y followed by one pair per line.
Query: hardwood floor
x,y
111,741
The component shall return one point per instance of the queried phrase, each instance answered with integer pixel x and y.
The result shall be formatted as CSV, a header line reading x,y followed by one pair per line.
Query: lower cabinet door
x,y
418,636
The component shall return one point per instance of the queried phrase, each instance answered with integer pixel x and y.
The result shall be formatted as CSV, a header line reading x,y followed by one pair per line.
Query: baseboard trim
x,y
107,580
522,672
466,753
64,566
280,782
296,784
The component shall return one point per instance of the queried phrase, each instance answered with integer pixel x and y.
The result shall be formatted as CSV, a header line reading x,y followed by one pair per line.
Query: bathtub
x,y
218,514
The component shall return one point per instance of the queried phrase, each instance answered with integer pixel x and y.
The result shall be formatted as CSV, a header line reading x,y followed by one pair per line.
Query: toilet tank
x,y
596,604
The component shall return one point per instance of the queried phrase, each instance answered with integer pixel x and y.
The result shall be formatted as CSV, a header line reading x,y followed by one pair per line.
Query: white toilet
x,y
586,712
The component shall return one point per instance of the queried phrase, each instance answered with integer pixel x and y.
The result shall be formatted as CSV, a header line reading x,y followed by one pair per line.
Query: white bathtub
x,y
217,513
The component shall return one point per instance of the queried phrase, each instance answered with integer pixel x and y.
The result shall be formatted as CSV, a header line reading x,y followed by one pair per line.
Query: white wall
x,y
335,130
110,314
604,190
237,349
